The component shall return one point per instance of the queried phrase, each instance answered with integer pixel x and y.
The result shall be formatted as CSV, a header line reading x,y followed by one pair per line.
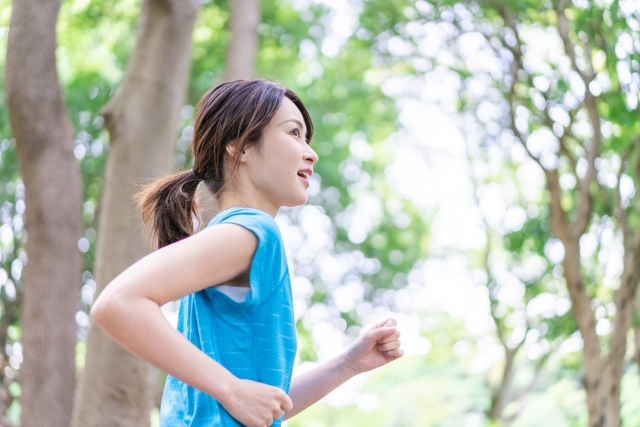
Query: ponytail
x,y
169,205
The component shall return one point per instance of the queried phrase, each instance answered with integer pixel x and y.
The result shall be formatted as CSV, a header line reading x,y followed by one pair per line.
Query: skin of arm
x,y
128,310
376,347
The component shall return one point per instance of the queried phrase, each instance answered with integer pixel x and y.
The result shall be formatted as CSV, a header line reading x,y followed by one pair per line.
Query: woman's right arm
x,y
128,310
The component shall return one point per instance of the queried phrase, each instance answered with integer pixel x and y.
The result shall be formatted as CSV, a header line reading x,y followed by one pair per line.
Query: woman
x,y
231,359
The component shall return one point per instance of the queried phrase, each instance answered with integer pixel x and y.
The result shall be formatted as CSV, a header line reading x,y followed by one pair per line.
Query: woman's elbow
x,y
99,310
104,306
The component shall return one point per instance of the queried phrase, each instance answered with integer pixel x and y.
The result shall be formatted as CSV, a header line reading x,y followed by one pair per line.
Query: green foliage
x,y
531,237
12,239
306,346
410,392
515,88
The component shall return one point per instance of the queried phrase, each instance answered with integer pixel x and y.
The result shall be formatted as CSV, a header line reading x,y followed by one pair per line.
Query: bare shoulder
x,y
228,235
212,256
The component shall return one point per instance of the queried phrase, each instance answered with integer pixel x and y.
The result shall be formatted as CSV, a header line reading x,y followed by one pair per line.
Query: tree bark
x,y
636,356
53,196
241,56
592,363
242,51
625,300
117,388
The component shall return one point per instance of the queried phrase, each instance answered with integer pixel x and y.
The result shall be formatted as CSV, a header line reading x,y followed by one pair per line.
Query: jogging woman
x,y
230,361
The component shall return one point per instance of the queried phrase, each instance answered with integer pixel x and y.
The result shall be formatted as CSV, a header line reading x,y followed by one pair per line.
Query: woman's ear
x,y
232,150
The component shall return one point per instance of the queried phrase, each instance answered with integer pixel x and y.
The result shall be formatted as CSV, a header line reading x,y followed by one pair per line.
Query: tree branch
x,y
619,211
486,268
562,139
516,66
559,221
499,394
563,31
525,391
584,205
565,151
490,279
636,197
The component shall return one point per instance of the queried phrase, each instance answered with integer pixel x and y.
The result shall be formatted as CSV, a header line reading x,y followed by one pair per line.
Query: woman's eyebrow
x,y
296,121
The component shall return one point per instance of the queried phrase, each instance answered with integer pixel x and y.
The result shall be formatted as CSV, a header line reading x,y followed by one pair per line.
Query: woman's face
x,y
278,169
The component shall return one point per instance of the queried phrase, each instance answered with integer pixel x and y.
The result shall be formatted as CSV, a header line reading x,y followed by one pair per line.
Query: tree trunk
x,y
592,364
499,396
242,51
117,388
636,356
625,300
53,197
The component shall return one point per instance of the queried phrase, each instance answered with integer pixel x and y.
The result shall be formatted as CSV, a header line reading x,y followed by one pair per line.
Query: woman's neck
x,y
246,200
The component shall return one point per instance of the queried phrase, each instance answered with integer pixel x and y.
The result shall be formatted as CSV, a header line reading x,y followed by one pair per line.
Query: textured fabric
x,y
254,339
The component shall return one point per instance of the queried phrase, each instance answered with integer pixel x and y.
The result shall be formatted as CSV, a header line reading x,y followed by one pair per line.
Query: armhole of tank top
x,y
236,293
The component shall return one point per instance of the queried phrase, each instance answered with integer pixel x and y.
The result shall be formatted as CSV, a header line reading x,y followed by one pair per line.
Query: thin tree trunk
x,y
242,50
636,356
525,391
500,394
625,300
595,378
597,382
602,375
242,53
592,363
53,197
117,388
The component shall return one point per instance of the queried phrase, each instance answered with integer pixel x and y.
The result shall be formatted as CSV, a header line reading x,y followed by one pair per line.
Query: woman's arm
x,y
376,347
128,310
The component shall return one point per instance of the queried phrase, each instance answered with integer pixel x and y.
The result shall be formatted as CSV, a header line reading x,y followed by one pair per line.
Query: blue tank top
x,y
254,339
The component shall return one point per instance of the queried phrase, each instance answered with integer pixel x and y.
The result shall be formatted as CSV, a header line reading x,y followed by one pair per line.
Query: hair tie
x,y
195,175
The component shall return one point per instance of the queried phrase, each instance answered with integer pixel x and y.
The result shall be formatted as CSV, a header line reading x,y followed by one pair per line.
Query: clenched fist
x,y
256,404
376,347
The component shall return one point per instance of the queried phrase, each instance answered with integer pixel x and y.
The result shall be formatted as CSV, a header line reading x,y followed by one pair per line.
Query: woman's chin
x,y
297,201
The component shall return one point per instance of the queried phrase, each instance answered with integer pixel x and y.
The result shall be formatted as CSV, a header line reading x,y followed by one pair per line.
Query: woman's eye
x,y
296,132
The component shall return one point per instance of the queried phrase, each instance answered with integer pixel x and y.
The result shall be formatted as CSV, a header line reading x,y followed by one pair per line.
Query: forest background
x,y
477,174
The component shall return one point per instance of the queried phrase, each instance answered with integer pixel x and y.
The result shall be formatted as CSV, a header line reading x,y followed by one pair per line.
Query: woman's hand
x,y
376,347
255,404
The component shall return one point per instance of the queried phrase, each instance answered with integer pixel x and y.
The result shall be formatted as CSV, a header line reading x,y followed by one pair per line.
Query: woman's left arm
x,y
376,347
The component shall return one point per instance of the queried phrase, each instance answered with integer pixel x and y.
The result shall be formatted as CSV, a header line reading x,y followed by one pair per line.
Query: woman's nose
x,y
311,156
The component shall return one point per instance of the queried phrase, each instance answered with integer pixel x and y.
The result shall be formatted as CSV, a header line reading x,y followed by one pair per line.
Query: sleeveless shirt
x,y
254,339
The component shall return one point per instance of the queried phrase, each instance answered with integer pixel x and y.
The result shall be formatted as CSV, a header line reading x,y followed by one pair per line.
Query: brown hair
x,y
233,112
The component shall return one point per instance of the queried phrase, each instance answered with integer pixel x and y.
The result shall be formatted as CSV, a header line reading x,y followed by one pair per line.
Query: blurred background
x,y
476,181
